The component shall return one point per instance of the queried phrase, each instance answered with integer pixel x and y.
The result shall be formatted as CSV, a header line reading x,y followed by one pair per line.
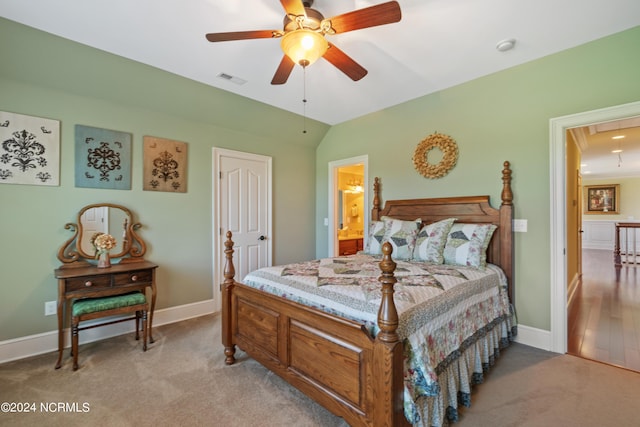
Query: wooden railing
x,y
629,256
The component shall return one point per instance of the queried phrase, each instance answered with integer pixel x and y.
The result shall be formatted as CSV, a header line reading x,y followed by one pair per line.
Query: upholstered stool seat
x,y
94,308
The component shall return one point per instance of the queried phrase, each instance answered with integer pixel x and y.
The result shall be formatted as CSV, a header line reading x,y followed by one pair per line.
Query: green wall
x,y
46,76
503,116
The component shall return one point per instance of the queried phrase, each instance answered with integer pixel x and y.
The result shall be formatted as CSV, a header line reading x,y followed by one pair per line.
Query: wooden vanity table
x,y
80,277
93,282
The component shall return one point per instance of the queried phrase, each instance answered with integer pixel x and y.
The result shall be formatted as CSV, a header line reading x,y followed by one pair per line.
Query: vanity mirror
x,y
116,220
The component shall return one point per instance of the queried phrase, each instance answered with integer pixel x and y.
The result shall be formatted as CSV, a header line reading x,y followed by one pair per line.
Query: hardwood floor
x,y
604,317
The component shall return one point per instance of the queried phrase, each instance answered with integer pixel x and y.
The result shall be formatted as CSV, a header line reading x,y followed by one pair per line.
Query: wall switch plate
x,y
520,225
50,308
326,221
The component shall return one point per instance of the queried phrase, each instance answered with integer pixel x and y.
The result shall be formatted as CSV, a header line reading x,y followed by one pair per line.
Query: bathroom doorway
x,y
350,212
349,208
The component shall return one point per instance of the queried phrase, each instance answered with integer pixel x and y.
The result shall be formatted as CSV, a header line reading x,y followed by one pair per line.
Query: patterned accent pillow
x,y
402,236
467,244
375,238
431,240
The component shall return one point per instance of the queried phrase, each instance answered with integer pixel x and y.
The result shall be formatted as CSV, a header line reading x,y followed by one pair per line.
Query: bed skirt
x,y
460,371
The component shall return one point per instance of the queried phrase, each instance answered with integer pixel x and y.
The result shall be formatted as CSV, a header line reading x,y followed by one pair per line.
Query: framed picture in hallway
x,y
602,199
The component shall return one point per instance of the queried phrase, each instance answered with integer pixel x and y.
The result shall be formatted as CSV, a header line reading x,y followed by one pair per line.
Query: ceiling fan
x,y
303,35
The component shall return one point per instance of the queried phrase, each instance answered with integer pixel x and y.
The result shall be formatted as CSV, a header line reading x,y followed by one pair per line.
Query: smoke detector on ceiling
x,y
506,45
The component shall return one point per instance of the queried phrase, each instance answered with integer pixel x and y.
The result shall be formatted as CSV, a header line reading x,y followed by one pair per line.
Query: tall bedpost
x,y
227,288
387,314
506,230
388,367
507,194
375,211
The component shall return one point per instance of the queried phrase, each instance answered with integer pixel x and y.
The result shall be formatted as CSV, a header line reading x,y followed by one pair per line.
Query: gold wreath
x,y
449,149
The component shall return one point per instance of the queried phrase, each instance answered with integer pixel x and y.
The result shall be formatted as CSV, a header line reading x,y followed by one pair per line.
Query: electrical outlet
x,y
50,308
520,225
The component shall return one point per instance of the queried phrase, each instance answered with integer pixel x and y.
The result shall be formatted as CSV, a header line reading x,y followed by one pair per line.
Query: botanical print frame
x,y
165,165
103,158
29,150
602,199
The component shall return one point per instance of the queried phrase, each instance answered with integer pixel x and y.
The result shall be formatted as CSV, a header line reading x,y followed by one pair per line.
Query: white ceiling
x,y
597,142
437,44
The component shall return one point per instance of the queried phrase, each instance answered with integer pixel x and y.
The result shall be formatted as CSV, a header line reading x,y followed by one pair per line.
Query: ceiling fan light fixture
x,y
304,46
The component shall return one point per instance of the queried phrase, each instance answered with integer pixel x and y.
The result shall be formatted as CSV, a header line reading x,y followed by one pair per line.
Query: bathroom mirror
x,y
350,213
107,218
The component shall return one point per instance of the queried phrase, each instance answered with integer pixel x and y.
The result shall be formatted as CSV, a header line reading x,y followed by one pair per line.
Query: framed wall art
x,y
165,165
602,199
29,150
103,158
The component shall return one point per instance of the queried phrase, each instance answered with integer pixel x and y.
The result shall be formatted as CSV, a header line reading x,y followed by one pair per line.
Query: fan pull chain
x,y
304,99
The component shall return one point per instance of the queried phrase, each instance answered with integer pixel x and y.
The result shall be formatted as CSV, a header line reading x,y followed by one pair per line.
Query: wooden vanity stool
x,y
95,308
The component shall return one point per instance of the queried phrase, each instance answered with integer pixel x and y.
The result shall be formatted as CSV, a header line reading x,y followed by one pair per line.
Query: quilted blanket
x,y
453,319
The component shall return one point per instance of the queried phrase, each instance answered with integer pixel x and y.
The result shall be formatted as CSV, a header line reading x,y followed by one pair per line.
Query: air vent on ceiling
x,y
233,79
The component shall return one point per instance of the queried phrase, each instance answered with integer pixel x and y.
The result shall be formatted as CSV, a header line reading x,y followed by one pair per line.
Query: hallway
x,y
604,318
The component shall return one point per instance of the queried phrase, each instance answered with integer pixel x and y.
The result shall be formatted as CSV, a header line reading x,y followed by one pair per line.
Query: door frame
x,y
218,235
332,241
558,127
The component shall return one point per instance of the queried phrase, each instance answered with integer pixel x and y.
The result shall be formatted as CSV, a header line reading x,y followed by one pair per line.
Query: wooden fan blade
x,y
240,35
283,71
385,13
344,63
294,7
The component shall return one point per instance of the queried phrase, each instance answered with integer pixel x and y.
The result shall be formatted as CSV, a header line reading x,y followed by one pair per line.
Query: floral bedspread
x,y
453,319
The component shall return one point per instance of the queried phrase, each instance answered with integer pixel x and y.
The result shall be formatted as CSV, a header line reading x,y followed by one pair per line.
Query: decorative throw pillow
x,y
467,244
402,236
375,238
431,240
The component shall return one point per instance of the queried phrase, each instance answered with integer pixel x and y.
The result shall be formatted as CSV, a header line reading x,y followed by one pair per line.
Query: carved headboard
x,y
467,209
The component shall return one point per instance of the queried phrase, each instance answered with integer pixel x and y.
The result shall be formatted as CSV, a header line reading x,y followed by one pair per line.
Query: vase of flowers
x,y
103,243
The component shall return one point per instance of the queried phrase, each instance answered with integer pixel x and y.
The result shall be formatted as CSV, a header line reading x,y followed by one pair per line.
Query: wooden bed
x,y
336,361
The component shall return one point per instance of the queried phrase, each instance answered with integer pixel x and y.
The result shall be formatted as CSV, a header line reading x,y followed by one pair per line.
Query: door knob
x,y
261,238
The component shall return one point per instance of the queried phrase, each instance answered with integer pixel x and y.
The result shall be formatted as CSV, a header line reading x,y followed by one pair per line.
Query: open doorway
x,y
559,211
603,320
349,208
350,213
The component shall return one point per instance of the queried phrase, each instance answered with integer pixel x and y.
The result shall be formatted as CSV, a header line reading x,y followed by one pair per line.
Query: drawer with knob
x,y
132,277
88,283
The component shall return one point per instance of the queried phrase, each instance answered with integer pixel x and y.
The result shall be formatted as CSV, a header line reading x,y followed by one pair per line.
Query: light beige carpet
x,y
182,381
529,387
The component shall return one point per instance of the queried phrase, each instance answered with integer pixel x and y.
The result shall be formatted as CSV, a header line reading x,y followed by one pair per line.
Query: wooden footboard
x,y
334,361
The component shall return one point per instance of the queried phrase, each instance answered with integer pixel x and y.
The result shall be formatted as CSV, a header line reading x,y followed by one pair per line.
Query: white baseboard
x,y
534,337
19,348
599,246
32,345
